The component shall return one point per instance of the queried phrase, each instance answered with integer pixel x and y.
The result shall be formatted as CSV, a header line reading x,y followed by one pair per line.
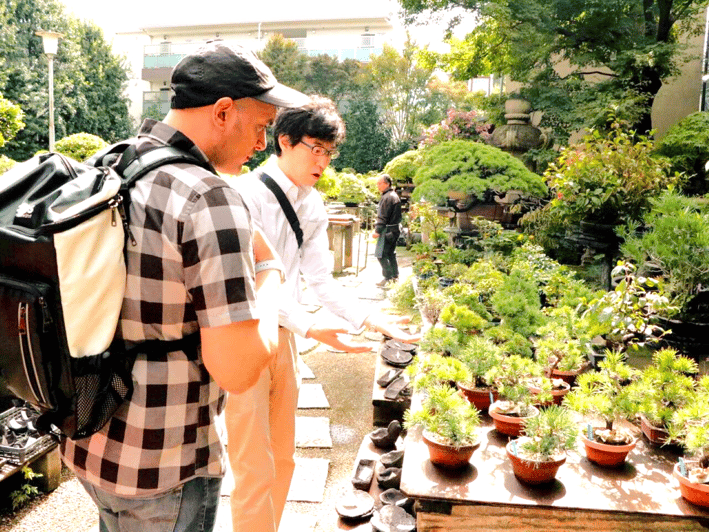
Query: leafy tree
x,y
11,120
620,52
286,62
336,80
80,146
88,83
366,146
401,86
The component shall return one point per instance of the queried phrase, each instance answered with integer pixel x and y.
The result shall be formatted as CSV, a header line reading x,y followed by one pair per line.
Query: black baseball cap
x,y
218,69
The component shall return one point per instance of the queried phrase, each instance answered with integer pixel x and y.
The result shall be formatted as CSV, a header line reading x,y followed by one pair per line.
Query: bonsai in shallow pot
x,y
690,427
664,387
560,353
450,426
537,456
606,394
479,356
511,378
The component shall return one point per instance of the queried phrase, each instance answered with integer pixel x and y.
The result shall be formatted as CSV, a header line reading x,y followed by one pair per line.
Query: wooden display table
x,y
640,496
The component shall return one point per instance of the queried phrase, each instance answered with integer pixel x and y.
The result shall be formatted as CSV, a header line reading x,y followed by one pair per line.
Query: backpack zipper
x,y
23,319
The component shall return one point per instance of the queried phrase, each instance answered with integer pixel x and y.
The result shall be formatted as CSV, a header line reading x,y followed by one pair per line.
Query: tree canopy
x,y
88,79
613,51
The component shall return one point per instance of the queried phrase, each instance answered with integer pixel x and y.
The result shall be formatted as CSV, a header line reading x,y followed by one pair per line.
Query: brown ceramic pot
x,y
509,425
478,397
531,471
448,456
605,454
655,435
692,491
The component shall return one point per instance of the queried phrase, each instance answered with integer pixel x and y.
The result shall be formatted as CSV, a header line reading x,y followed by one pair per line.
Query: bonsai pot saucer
x,y
388,376
397,387
400,346
396,358
389,478
395,497
393,519
364,473
355,505
385,438
392,459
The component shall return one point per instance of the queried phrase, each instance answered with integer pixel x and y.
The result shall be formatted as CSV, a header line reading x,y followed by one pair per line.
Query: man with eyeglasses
x,y
306,140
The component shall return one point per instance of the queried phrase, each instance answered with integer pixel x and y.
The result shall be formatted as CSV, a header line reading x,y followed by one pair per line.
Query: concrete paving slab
x,y
309,478
304,371
312,396
312,432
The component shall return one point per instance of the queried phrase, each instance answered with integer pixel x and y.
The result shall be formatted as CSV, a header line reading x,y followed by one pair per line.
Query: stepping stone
x,y
304,371
309,478
312,432
312,396
372,294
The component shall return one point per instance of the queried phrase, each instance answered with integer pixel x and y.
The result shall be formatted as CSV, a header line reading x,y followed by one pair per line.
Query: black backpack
x,y
63,230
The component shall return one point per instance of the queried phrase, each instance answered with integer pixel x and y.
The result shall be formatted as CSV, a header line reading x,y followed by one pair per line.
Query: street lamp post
x,y
50,41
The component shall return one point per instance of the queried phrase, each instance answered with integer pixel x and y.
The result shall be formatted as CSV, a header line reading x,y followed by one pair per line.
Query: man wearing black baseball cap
x,y
194,264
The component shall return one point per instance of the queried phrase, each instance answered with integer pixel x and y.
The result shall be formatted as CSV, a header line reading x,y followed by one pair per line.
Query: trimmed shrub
x,y
80,146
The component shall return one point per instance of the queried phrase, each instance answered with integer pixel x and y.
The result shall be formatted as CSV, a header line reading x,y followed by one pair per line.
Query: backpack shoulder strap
x,y
285,204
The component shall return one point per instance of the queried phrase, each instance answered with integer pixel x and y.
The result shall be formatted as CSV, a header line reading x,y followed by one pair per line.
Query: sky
x,y
136,13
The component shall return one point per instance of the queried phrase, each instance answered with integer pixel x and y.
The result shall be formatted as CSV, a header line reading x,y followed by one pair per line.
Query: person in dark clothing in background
x,y
387,229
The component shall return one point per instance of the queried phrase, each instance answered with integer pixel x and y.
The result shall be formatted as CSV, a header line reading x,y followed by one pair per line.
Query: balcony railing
x,y
159,101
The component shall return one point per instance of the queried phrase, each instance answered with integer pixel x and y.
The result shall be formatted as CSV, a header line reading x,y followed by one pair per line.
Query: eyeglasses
x,y
321,150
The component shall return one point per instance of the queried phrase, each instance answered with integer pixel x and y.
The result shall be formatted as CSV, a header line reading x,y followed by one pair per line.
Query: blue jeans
x,y
191,507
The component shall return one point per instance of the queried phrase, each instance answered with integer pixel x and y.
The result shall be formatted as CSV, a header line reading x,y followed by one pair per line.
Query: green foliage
x,y
557,348
329,183
434,370
449,415
551,432
80,146
687,146
465,320
605,392
472,168
517,303
6,163
424,218
403,167
27,491
442,340
690,424
665,386
467,295
625,315
608,179
431,303
88,85
511,378
368,140
402,296
621,51
11,120
285,60
480,355
353,189
675,243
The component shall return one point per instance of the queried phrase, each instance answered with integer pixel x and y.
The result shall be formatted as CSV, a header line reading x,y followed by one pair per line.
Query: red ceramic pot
x,y
533,472
605,454
448,456
478,397
692,491
655,435
557,395
509,425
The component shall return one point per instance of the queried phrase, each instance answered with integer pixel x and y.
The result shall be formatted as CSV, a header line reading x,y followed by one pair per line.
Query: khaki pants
x,y
261,430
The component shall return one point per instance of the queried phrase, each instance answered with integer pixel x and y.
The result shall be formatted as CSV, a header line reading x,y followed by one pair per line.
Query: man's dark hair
x,y
318,119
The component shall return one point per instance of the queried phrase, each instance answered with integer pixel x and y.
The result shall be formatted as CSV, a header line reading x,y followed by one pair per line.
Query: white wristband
x,y
273,264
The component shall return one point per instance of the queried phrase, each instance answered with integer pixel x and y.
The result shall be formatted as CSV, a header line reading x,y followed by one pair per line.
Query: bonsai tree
x,y
447,415
480,356
549,434
605,393
353,189
403,167
473,169
512,379
687,146
517,303
465,320
674,246
690,426
441,340
665,386
433,370
556,349
625,315
431,303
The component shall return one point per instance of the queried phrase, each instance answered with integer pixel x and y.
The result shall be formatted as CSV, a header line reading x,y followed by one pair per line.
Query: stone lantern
x,y
518,135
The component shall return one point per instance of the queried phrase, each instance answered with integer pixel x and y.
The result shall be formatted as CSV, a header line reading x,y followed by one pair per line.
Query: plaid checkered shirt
x,y
192,268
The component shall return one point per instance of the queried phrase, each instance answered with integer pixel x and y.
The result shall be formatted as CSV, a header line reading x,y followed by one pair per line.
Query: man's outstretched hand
x,y
331,337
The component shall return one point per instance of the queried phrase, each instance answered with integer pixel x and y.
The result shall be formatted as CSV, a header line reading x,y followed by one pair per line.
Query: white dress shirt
x,y
313,260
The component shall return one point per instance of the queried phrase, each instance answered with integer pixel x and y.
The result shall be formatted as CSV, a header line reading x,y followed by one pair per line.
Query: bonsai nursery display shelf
x,y
639,496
